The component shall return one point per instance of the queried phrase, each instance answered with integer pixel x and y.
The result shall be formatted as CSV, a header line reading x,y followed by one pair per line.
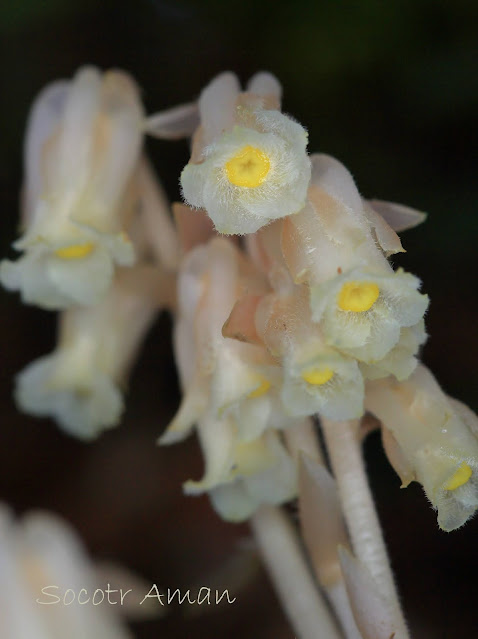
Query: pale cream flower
x,y
80,384
362,313
231,388
217,373
431,439
249,164
42,552
316,378
257,472
339,245
82,145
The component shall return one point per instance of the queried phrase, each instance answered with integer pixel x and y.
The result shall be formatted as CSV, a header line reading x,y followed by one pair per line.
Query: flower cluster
x,y
334,315
303,316
82,145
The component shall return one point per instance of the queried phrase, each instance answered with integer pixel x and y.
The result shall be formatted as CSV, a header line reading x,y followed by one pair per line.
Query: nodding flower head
x,y
253,170
80,383
362,313
316,378
82,146
431,439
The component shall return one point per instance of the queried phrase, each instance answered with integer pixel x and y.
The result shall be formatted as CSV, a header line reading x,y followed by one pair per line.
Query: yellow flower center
x,y
358,296
261,389
75,251
317,376
249,167
461,476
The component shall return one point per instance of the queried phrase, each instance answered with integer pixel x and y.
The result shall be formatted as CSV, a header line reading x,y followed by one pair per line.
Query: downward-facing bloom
x,y
80,384
82,146
338,245
231,388
43,553
316,378
258,472
431,439
249,163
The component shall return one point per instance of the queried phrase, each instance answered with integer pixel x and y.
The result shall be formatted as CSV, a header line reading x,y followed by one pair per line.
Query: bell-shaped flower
x,y
338,245
240,476
47,583
249,164
431,439
362,313
80,384
217,373
82,146
316,377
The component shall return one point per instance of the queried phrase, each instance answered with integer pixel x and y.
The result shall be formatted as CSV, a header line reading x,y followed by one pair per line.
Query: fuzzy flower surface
x,y
432,439
253,169
230,389
82,146
339,247
81,383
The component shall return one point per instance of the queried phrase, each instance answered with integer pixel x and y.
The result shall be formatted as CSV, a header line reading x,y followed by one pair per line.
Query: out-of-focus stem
x,y
345,451
338,597
297,591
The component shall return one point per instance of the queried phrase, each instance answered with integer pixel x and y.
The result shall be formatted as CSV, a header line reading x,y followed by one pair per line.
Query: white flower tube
x,y
43,553
316,377
429,438
249,164
82,145
259,472
79,385
338,245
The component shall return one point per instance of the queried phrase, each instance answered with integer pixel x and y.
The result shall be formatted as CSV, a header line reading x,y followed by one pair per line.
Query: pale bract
x,y
252,169
42,551
82,146
431,439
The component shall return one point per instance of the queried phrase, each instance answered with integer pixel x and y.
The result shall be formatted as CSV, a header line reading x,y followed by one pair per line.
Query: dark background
x,y
391,89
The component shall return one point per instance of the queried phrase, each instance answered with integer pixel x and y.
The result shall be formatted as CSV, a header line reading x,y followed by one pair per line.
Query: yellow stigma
x,y
317,376
75,251
249,167
358,296
461,476
261,389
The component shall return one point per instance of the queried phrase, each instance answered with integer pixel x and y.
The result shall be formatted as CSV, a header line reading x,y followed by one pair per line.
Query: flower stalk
x,y
344,448
301,600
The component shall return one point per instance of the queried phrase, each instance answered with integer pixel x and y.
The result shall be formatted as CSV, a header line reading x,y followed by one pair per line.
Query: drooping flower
x,y
339,246
431,439
249,164
258,472
316,378
80,384
231,388
82,145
